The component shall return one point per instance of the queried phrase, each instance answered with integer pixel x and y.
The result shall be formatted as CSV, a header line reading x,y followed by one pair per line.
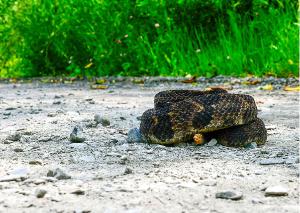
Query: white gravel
x,y
108,174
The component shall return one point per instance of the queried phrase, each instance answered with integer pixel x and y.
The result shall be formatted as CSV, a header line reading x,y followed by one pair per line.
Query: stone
x,y
19,171
58,174
128,171
252,145
14,137
276,191
272,161
231,195
10,108
134,136
102,120
40,193
77,135
18,150
57,102
35,162
10,178
212,142
78,192
123,159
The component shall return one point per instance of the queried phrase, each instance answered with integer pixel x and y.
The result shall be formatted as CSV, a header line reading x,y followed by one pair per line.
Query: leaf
x,y
292,89
95,86
267,87
88,65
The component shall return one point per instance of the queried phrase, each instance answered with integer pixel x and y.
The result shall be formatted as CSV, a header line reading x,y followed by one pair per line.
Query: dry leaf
x,y
95,86
267,87
251,82
292,89
198,139
190,80
138,81
218,87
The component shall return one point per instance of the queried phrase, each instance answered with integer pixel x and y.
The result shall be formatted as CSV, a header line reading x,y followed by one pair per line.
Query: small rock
x,y
51,114
212,142
272,161
123,159
291,161
10,108
58,174
77,135
78,192
35,162
18,150
276,191
134,136
99,119
128,171
19,171
14,137
57,102
256,201
7,113
40,193
16,178
231,195
58,96
252,145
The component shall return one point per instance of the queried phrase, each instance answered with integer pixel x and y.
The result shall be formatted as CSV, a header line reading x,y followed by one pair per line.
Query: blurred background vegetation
x,y
148,37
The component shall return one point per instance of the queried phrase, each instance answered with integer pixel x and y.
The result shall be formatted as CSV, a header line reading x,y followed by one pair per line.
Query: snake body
x,y
179,115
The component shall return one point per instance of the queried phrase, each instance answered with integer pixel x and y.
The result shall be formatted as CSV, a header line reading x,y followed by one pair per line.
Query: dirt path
x,y
110,175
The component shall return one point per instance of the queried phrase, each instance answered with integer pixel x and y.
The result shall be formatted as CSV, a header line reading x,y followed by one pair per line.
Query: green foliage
x,y
148,37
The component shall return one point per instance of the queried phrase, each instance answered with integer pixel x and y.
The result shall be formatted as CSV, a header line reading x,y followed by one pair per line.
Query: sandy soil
x,y
108,174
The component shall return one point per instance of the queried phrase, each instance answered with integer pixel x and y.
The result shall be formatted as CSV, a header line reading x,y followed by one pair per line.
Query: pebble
x,y
19,171
58,174
291,160
272,161
256,201
14,137
16,178
134,136
212,142
35,162
276,191
57,102
77,135
252,145
128,171
18,150
78,192
123,159
103,120
231,195
10,108
40,193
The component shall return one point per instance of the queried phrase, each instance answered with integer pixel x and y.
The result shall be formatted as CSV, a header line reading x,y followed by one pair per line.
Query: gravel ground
x,y
42,171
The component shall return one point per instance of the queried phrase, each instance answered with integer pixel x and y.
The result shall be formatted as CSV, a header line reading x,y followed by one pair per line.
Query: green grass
x,y
148,37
